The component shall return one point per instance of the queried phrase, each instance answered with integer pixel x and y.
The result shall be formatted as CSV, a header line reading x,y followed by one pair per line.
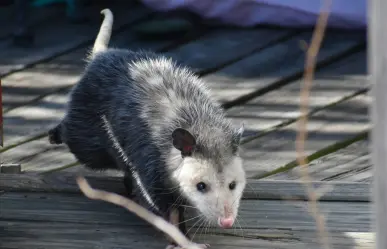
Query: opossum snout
x,y
226,222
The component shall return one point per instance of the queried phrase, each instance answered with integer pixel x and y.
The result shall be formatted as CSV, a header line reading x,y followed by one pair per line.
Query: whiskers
x,y
236,218
201,224
198,216
203,227
202,219
188,206
252,189
240,227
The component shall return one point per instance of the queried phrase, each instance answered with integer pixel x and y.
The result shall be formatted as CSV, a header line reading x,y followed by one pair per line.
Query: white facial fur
x,y
218,201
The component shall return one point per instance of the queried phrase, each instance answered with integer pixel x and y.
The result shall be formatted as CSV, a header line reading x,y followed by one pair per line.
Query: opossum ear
x,y
237,138
183,141
239,133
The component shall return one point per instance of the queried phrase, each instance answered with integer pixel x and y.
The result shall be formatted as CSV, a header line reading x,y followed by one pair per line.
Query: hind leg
x,y
54,135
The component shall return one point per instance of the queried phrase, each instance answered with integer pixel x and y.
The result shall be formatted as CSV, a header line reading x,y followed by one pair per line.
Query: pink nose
x,y
226,222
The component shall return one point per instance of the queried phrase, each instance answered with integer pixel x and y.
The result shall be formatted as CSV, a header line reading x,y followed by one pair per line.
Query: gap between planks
x,y
318,154
39,135
15,146
69,220
351,163
36,17
272,40
278,37
256,189
345,98
339,121
171,48
54,49
311,157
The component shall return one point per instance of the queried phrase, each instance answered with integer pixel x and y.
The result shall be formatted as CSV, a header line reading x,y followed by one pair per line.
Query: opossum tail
x,y
102,41
54,135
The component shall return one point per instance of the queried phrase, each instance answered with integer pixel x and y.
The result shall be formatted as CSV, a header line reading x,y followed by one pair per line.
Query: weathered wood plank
x,y
45,113
64,71
225,46
256,189
38,82
54,112
230,41
332,84
62,235
351,164
70,36
265,224
269,214
276,65
331,125
35,18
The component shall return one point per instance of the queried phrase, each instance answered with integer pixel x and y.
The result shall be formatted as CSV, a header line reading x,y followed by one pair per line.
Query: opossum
x,y
156,120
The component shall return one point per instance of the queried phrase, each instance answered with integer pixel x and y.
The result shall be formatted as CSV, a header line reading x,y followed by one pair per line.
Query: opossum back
x,y
109,71
106,88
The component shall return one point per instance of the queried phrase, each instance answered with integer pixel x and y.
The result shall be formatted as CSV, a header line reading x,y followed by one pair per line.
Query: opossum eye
x,y
232,185
201,186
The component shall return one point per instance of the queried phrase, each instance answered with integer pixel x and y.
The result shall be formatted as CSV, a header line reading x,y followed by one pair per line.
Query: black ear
x,y
183,141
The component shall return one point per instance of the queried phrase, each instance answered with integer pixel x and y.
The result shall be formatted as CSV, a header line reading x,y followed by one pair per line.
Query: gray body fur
x,y
144,97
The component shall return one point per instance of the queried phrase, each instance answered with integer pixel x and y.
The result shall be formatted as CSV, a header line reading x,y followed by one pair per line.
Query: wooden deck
x,y
256,74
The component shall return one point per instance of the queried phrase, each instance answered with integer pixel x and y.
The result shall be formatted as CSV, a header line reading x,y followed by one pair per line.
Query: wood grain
x,y
50,42
255,189
26,121
352,164
332,83
326,127
279,64
73,221
35,85
63,71
36,17
269,214
62,235
223,46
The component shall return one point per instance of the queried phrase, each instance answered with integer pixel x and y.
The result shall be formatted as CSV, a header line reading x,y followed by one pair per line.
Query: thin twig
x,y
135,208
302,129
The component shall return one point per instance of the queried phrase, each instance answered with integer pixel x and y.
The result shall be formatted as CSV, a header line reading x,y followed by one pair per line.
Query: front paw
x,y
171,246
203,246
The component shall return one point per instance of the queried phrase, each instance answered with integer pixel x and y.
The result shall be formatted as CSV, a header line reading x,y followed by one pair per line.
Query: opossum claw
x,y
172,246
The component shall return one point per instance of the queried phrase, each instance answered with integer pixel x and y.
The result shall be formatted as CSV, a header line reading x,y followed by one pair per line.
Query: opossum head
x,y
211,177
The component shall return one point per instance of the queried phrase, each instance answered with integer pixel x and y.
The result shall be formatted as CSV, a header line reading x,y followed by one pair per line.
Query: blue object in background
x,y
72,7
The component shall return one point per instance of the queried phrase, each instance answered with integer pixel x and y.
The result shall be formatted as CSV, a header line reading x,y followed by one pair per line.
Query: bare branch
x,y
135,208
302,129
